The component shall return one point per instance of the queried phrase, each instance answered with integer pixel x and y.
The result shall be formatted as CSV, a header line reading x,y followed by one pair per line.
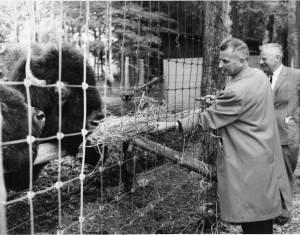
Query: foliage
x,y
184,14
7,20
5,27
253,17
136,28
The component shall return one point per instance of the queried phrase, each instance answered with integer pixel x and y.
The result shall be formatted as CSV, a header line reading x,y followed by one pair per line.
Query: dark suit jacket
x,y
286,103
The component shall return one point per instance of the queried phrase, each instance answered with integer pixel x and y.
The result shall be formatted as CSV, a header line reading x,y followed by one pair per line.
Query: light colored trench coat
x,y
250,165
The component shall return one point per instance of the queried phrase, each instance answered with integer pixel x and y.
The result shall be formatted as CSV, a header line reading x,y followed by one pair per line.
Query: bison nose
x,y
93,120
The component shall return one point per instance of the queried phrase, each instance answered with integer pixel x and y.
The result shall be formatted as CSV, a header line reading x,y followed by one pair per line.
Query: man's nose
x,y
221,64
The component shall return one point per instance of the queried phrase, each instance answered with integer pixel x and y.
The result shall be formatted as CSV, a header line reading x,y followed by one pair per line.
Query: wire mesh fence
x,y
150,62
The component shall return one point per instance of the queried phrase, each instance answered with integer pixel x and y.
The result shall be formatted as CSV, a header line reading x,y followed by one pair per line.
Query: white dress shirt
x,y
275,76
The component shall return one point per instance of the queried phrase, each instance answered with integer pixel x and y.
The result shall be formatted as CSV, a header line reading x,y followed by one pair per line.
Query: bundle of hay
x,y
114,129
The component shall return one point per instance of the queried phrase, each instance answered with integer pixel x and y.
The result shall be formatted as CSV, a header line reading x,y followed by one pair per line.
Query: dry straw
x,y
114,129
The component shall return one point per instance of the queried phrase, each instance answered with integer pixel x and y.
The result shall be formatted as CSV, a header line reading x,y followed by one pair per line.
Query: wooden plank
x,y
154,80
193,164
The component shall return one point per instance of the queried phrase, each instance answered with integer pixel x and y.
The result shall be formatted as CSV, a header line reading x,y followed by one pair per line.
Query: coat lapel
x,y
281,78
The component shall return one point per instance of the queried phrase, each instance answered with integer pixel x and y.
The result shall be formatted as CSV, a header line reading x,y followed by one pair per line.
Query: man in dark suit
x,y
285,83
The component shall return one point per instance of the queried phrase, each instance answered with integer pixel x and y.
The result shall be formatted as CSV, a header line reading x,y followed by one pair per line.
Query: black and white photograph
x,y
149,117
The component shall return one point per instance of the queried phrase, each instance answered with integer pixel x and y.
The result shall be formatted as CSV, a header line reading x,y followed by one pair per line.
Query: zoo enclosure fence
x,y
175,42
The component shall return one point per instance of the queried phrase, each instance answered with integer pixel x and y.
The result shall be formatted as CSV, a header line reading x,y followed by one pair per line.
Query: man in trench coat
x,y
285,83
252,180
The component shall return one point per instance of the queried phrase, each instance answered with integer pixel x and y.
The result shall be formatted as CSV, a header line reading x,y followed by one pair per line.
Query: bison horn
x,y
34,80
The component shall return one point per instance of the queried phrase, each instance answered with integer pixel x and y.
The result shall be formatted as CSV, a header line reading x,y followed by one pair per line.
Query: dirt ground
x,y
167,198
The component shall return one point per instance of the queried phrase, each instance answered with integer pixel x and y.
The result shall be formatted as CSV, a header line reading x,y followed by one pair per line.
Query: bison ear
x,y
2,48
3,106
65,92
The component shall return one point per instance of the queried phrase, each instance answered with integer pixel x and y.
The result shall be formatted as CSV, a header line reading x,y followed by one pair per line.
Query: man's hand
x,y
210,99
166,126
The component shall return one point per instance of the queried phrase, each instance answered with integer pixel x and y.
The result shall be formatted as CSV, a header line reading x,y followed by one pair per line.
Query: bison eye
x,y
40,116
94,123
93,119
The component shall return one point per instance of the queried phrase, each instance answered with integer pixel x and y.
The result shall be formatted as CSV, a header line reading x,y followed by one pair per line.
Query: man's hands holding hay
x,y
208,99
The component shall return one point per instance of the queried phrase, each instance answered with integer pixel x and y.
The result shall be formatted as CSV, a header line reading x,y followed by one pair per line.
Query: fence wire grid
x,y
152,61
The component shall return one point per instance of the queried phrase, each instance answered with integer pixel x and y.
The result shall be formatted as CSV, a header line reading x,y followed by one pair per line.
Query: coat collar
x,y
282,76
243,73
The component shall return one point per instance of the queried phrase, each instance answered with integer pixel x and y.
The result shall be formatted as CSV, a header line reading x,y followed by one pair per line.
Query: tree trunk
x,y
52,18
79,30
213,36
268,37
110,44
31,6
38,21
226,18
234,18
15,27
296,59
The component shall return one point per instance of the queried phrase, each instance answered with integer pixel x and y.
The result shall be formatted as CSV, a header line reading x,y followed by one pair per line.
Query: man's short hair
x,y
237,45
275,46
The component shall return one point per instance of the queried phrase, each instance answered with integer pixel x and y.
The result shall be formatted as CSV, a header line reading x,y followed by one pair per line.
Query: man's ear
x,y
278,57
242,61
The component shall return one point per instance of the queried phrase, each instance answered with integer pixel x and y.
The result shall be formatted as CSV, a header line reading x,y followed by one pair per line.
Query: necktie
x,y
271,77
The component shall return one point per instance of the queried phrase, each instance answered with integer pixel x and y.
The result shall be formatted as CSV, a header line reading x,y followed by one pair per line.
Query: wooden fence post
x,y
126,74
141,72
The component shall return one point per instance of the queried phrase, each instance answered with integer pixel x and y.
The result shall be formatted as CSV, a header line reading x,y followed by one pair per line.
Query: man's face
x,y
231,63
269,60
